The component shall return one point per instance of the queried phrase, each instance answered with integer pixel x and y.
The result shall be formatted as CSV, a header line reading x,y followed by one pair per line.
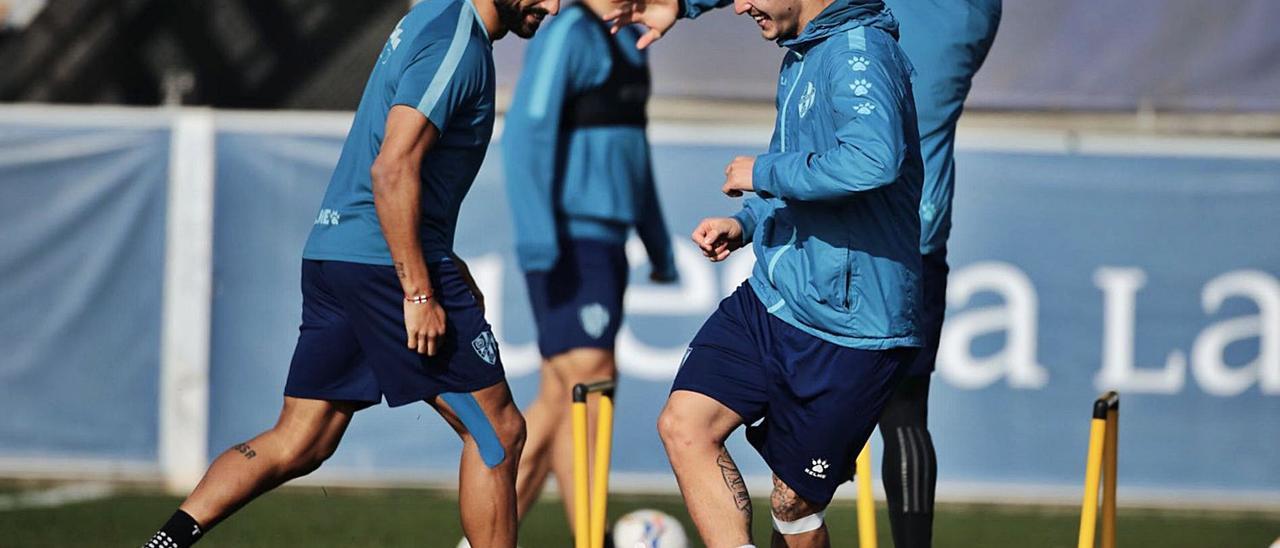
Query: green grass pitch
x,y
408,517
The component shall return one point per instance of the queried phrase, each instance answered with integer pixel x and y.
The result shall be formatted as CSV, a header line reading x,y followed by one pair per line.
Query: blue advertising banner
x,y
1150,271
1079,264
82,215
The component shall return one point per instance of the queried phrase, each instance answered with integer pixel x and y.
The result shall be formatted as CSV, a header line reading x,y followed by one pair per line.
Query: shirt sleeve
x,y
652,229
442,76
558,64
691,9
754,209
869,103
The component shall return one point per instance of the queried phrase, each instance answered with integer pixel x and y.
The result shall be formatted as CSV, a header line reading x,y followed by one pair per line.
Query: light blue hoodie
x,y
835,224
574,147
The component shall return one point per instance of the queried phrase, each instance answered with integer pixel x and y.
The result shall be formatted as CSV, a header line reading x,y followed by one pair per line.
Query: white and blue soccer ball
x,y
648,529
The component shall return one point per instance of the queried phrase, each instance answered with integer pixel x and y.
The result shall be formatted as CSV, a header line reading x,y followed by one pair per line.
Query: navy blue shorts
x,y
353,346
932,310
578,303
816,402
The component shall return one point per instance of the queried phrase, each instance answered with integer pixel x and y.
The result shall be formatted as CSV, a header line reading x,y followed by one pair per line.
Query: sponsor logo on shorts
x,y
486,347
595,318
817,468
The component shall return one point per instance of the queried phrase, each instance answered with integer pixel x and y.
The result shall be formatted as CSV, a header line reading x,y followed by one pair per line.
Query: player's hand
x,y
737,176
656,15
465,271
424,325
664,275
717,237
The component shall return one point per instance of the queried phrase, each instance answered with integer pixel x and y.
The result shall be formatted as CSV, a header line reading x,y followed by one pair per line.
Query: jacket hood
x,y
843,15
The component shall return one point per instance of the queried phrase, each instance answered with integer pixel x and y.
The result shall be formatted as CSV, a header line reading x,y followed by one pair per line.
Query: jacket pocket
x,y
826,273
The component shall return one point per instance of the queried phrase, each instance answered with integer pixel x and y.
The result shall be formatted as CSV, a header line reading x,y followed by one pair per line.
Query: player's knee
x,y
300,459
675,431
584,365
511,430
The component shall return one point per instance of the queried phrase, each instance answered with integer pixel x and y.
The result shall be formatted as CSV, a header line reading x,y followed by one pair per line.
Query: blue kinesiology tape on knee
x,y
472,416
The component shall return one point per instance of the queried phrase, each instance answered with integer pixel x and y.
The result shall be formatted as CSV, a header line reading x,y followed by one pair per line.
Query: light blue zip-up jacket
x,y
835,224
574,148
947,41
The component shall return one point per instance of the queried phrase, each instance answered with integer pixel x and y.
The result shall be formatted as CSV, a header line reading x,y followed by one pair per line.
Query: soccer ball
x,y
648,529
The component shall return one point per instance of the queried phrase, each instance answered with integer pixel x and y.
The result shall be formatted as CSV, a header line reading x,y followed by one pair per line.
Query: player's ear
x,y
552,6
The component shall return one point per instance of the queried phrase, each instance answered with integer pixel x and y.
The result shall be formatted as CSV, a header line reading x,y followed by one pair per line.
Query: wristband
x,y
418,299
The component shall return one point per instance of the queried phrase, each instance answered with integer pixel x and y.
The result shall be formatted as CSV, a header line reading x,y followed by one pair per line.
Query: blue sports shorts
x,y
578,303
810,404
352,344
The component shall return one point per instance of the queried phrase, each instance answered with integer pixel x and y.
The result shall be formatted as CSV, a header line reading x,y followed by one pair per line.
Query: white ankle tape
x,y
802,525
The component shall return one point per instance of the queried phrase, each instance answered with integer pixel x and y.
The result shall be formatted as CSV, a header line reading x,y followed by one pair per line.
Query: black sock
x,y
180,531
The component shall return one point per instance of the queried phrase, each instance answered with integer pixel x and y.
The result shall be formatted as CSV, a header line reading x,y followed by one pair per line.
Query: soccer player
x,y
578,179
387,309
808,351
947,42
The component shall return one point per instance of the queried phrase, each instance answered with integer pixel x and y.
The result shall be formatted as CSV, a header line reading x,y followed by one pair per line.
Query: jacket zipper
x,y
786,105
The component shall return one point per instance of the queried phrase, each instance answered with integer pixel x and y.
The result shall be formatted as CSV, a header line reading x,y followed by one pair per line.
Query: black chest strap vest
x,y
619,101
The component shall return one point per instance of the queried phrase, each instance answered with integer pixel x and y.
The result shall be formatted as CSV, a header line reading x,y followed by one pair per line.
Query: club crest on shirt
x,y
806,100
486,346
594,318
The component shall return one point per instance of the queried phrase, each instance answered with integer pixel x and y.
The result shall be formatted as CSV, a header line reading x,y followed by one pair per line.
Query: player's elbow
x,y
385,175
861,171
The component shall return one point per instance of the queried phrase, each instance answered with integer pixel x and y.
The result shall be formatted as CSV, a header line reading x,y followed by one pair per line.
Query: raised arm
x,y
658,15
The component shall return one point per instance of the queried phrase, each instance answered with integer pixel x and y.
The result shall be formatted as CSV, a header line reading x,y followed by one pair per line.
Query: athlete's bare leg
x,y
306,434
786,505
542,418
550,423
487,496
693,429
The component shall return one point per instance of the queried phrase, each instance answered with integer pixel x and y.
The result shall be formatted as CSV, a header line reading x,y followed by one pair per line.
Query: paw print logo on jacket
x,y
860,87
859,64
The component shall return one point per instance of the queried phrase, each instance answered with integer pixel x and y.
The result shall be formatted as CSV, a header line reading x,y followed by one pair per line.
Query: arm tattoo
x,y
400,271
245,450
733,480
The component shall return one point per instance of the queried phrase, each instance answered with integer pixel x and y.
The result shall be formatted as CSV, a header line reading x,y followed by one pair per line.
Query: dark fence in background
x,y
1050,55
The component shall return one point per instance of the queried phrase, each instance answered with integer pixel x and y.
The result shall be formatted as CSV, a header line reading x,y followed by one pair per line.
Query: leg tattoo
x,y
733,480
786,504
245,450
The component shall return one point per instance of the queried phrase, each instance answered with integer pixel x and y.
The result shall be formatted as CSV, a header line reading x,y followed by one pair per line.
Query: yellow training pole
x,y
1093,469
866,506
600,483
1109,454
581,518
1101,432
